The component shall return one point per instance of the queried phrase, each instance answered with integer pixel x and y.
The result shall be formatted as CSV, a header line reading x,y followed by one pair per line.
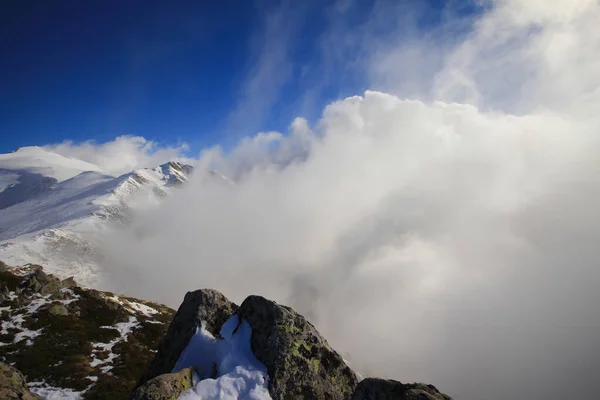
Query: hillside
x,y
68,342
75,343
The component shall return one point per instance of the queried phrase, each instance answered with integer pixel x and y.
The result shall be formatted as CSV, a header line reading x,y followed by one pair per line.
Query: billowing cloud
x,y
121,155
451,241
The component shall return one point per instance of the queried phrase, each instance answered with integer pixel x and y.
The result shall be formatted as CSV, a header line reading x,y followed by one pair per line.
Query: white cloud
x,y
452,243
430,232
121,155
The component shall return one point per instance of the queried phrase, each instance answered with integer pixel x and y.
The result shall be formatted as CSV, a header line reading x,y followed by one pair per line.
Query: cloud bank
x,y
449,238
121,155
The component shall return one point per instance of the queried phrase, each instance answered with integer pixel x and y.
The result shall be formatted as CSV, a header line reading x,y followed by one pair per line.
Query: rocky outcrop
x,y
205,305
96,344
299,361
382,389
99,345
38,282
166,386
13,386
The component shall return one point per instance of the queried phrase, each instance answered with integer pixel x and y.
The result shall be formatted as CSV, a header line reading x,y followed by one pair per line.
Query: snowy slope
x,y
87,194
51,207
35,160
30,171
65,201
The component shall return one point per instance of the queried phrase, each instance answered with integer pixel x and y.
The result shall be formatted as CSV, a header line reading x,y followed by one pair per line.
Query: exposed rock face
x,y
38,282
205,305
13,386
381,389
165,387
300,363
94,343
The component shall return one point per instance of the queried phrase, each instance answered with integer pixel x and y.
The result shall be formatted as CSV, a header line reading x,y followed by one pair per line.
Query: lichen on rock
x,y
299,361
165,386
13,385
387,389
201,306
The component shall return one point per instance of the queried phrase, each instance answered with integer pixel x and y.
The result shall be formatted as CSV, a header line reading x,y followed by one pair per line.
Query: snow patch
x,y
124,329
17,320
239,374
134,307
47,392
74,296
35,304
142,308
27,334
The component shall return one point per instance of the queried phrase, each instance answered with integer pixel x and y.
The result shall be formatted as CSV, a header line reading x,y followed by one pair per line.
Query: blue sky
x,y
200,72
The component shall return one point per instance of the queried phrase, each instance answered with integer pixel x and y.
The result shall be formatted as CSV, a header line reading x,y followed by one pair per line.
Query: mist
x,y
448,237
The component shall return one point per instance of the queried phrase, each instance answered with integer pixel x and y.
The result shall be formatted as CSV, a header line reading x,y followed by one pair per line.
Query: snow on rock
x,y
239,375
71,294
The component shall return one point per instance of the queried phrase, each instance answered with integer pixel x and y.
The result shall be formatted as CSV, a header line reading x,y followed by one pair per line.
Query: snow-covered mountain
x,y
50,207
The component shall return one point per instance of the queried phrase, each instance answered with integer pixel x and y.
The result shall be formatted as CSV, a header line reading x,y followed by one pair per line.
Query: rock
x,y
4,294
201,305
13,385
69,282
58,309
300,363
40,282
8,283
382,389
166,386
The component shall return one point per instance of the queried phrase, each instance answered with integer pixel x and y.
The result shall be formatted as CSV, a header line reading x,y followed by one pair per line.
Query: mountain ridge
x,y
50,205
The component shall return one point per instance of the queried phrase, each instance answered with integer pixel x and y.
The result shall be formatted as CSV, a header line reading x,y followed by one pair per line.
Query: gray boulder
x,y
166,386
382,389
201,305
45,284
299,361
13,386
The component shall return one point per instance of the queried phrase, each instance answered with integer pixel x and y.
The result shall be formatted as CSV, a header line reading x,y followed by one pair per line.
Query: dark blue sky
x,y
96,69
201,72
